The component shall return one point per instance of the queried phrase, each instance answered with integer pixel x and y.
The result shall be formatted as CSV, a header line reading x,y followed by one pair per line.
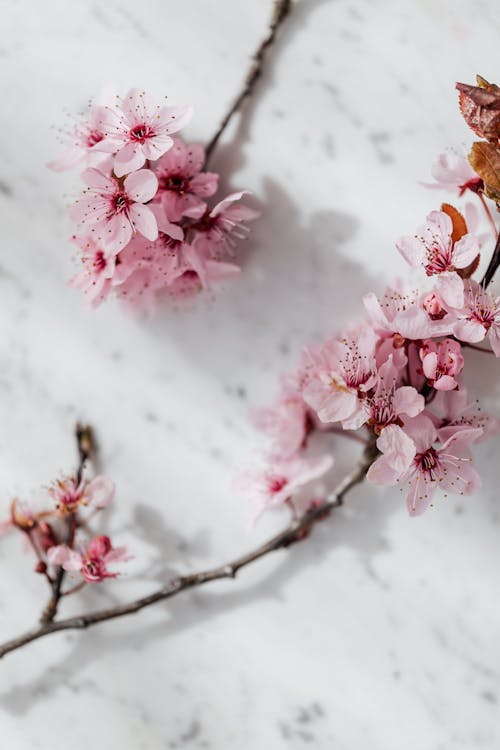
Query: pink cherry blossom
x,y
447,466
92,563
453,411
87,139
70,495
391,401
479,316
285,422
217,229
182,185
136,129
115,211
98,268
277,483
402,310
342,369
453,172
432,246
441,362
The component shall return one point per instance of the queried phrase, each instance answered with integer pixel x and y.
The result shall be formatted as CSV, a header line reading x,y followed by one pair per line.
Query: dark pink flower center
x,y
93,570
100,261
175,182
120,202
276,484
484,315
439,260
427,463
94,137
475,184
140,133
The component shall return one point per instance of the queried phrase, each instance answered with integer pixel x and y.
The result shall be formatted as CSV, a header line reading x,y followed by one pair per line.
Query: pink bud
x,y
433,307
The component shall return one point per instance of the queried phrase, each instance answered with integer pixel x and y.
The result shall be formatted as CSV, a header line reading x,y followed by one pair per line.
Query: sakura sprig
x,y
396,379
59,535
143,224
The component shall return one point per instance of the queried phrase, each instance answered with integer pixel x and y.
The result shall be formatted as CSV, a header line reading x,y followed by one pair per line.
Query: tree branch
x,y
293,533
492,266
280,11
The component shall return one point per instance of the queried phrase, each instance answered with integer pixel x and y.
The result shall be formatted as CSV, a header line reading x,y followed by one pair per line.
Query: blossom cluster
x,y
59,534
396,377
144,226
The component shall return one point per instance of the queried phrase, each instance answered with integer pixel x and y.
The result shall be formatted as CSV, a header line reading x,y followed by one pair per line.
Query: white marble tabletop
x,y
379,633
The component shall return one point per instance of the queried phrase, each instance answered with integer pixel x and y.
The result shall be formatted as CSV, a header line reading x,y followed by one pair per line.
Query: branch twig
x,y
492,266
280,11
85,445
294,532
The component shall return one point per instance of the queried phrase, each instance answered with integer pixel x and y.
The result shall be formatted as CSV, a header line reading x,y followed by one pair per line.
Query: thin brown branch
x,y
280,11
492,266
85,447
294,532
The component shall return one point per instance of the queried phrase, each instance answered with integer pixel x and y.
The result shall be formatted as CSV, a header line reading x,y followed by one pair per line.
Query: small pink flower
x,y
92,563
115,211
137,129
441,362
87,139
448,466
433,248
479,316
69,496
276,484
340,370
98,269
452,411
389,402
182,185
403,311
216,229
454,173
285,422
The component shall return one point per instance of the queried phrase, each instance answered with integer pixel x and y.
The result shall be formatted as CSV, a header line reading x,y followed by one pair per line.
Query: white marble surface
x,y
380,633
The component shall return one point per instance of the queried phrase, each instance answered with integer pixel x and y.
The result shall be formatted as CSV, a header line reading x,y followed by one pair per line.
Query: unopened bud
x,y
40,567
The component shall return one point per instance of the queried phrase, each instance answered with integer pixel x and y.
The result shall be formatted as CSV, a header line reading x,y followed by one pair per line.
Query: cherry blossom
x,y
453,172
342,369
94,279
182,185
217,229
113,210
136,128
426,467
69,494
390,401
441,362
433,248
91,562
87,138
285,422
274,485
479,316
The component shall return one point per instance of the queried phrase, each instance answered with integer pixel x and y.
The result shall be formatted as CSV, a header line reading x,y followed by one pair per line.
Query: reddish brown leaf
x,y
458,221
485,160
480,107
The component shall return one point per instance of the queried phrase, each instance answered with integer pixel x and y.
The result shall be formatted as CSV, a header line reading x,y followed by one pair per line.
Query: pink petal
x,y
419,495
450,287
408,401
465,250
100,491
469,330
144,220
445,383
173,119
429,365
156,146
141,186
130,158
